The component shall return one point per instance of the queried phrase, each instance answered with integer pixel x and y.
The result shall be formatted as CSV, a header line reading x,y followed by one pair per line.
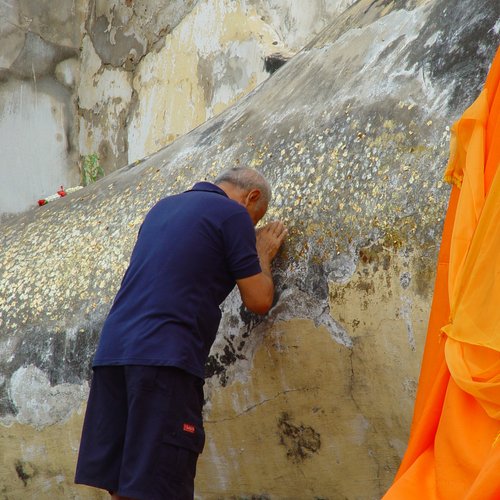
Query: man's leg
x,y
164,434
99,458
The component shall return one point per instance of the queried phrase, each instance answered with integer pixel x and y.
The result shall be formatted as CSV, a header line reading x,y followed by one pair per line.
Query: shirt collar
x,y
209,187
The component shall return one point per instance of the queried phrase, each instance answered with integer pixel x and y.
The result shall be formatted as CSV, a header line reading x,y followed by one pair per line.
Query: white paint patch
x,y
34,146
239,68
9,345
31,452
360,426
68,72
294,304
432,39
376,53
405,311
39,404
496,27
368,43
295,24
204,27
342,267
110,85
219,462
336,331
89,67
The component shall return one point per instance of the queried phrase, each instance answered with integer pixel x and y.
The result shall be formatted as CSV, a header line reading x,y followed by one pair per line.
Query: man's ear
x,y
254,195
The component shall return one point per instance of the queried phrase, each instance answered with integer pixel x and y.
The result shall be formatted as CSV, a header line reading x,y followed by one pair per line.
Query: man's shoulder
x,y
202,205
213,203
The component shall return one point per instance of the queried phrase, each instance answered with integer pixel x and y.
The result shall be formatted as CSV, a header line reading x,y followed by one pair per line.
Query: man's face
x,y
252,201
254,204
256,211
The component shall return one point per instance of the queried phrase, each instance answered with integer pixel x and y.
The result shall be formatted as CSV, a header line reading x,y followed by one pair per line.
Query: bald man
x,y
143,428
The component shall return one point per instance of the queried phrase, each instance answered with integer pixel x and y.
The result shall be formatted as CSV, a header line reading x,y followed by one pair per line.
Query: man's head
x,y
248,187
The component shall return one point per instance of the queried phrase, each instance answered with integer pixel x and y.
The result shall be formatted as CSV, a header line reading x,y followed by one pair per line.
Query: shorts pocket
x,y
176,472
188,435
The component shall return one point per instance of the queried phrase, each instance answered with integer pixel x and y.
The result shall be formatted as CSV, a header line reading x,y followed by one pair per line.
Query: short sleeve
x,y
240,246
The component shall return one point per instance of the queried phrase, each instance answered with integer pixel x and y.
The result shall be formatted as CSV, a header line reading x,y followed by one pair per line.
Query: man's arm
x,y
257,291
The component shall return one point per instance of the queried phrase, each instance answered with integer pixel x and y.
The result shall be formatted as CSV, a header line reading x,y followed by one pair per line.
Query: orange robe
x,y
454,446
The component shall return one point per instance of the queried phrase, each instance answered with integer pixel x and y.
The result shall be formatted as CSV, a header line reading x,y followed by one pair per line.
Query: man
x,y
143,428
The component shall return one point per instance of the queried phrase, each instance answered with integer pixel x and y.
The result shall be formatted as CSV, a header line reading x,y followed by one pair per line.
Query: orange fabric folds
x,y
454,447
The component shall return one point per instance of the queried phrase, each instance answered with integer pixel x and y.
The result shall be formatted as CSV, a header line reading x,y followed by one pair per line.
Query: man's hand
x,y
269,240
257,291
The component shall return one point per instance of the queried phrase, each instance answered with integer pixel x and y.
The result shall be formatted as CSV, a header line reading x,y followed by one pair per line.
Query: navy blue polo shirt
x,y
191,249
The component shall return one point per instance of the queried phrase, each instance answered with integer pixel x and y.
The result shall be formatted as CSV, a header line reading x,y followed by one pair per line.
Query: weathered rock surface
x,y
314,400
131,75
38,136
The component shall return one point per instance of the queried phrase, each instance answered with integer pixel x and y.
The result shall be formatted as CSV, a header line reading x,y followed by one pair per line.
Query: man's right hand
x,y
269,240
257,291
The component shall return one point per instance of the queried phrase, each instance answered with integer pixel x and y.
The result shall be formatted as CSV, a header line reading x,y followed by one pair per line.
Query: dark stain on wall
x,y
218,362
65,358
273,62
314,280
25,471
301,441
214,367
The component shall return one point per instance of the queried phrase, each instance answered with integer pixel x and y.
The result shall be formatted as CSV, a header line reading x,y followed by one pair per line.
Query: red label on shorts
x,y
188,428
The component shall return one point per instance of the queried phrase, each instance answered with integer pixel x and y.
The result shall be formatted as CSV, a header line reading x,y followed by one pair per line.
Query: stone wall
x,y
313,400
125,78
39,67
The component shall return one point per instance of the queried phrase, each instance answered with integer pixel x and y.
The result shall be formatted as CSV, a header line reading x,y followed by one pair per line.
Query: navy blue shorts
x,y
142,432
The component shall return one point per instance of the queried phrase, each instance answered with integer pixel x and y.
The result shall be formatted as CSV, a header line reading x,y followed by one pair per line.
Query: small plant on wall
x,y
91,169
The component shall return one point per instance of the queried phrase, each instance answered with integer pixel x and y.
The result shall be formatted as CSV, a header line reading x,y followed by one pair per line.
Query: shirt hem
x,y
149,362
